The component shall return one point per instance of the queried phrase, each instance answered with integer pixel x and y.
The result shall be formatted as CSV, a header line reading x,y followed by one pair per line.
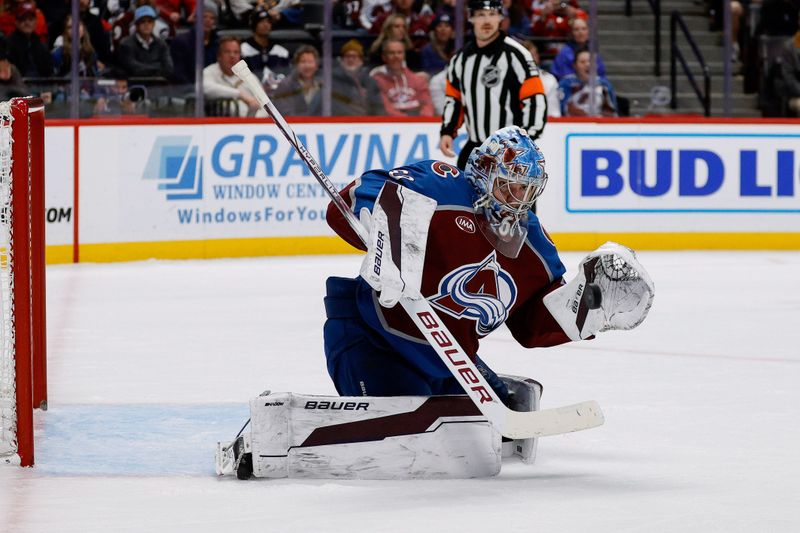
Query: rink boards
x,y
128,190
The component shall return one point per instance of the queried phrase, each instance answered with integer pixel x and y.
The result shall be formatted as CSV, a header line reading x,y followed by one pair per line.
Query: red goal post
x,y
23,377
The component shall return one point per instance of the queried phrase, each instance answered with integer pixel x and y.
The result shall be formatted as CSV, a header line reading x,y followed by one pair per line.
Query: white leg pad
x,y
405,437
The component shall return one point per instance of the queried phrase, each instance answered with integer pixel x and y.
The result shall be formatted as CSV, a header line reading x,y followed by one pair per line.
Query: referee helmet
x,y
477,5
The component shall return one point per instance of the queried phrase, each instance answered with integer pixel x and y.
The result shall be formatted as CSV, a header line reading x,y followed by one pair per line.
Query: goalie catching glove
x,y
626,294
398,235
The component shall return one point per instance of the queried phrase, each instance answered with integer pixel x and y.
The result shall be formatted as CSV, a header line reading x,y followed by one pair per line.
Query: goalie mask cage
x,y
23,383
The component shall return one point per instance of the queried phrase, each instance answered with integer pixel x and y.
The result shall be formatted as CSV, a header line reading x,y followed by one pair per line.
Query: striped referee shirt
x,y
493,87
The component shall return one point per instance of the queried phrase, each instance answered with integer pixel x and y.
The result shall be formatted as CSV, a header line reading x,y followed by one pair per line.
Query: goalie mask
x,y
507,171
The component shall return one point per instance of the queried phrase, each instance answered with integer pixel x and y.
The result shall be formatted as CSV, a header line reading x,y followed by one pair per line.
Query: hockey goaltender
x,y
462,253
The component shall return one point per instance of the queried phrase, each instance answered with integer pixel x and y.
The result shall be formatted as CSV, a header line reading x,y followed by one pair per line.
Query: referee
x,y
492,82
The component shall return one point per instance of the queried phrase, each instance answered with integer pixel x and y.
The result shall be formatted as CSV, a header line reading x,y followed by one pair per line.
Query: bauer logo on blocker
x,y
175,164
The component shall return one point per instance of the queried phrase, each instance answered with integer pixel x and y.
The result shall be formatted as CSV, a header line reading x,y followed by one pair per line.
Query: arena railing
x,y
655,7
676,21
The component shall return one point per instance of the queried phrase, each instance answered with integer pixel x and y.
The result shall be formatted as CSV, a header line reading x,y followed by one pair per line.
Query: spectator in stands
x,y
123,25
417,22
395,28
226,17
55,12
576,98
175,12
441,46
95,26
738,12
285,14
220,83
88,65
346,14
404,93
11,83
182,46
564,60
8,18
269,61
445,7
778,17
111,9
114,97
370,10
549,82
353,91
26,50
142,54
787,84
551,18
515,18
299,94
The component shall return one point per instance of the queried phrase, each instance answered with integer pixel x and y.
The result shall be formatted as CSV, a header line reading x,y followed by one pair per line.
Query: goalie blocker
x,y
400,437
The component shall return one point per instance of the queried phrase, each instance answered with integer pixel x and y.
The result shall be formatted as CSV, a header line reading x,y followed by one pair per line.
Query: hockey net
x,y
22,290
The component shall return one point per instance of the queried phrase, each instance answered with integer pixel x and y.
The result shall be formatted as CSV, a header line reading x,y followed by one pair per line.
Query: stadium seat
x,y
221,107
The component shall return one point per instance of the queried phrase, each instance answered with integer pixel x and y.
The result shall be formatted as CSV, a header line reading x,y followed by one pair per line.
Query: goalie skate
x,y
236,457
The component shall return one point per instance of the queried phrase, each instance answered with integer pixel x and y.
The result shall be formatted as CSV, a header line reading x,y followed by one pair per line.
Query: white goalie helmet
x,y
508,172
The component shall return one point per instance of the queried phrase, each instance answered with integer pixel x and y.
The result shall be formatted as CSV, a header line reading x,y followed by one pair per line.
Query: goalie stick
x,y
511,424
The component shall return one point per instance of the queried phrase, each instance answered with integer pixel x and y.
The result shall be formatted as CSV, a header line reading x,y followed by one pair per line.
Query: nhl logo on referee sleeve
x,y
490,76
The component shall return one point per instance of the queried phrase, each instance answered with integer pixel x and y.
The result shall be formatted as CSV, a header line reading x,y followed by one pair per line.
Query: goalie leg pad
x,y
405,437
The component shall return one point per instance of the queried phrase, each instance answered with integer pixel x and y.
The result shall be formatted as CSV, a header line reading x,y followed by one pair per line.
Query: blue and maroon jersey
x,y
473,288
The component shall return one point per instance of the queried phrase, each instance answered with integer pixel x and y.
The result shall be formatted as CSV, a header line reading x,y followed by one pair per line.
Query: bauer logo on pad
x,y
176,165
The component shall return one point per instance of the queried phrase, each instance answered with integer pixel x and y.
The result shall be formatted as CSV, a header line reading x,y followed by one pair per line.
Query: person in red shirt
x,y
404,93
10,11
170,12
552,18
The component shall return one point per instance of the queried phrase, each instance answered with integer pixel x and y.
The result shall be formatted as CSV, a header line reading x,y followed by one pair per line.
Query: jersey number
x,y
400,174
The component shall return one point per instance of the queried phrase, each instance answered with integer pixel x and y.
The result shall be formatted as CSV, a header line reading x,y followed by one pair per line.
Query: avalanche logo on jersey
x,y
483,292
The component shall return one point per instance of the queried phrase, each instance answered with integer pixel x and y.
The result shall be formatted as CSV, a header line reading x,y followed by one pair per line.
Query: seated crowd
x,y
765,50
390,54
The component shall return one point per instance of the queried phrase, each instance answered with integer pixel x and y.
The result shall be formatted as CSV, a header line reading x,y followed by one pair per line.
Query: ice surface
x,y
151,363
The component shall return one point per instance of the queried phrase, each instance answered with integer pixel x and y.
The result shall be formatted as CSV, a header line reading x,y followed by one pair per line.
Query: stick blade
x,y
556,421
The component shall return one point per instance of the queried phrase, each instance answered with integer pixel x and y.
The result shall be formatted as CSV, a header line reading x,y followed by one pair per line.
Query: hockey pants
x,y
362,363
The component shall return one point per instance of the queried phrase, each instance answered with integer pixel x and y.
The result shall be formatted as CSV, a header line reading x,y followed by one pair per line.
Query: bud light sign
x,y
682,172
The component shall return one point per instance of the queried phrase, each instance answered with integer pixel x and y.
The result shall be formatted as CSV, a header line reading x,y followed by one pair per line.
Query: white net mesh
x,y
8,413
